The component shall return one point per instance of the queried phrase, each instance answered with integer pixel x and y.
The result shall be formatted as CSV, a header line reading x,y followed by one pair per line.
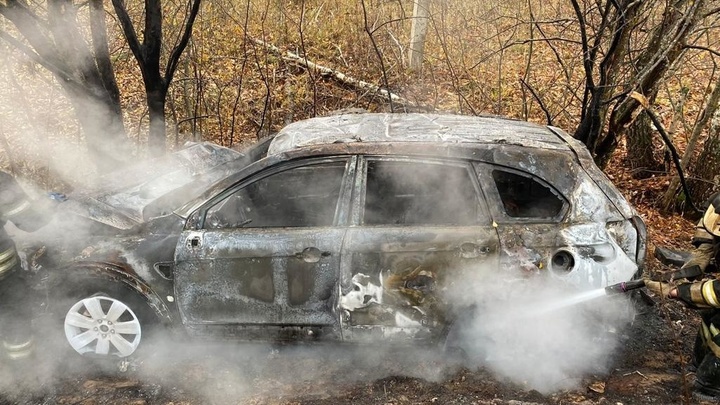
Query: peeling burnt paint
x,y
403,301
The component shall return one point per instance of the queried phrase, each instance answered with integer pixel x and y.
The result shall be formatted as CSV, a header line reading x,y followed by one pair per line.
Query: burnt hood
x,y
129,197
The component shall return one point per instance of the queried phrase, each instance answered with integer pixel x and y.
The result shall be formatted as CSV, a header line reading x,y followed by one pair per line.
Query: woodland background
x,y
89,86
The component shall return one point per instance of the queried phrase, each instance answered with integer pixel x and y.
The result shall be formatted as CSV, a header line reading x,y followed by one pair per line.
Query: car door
x,y
267,255
420,228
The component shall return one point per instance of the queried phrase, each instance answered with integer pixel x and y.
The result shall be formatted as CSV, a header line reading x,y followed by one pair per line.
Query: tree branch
x,y
35,57
180,48
128,29
675,157
338,76
377,51
98,32
548,116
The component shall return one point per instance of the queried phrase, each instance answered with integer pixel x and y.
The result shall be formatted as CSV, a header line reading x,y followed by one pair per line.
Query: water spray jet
x,y
614,289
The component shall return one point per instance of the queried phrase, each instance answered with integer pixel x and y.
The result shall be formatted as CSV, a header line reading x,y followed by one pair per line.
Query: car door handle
x,y
311,255
194,242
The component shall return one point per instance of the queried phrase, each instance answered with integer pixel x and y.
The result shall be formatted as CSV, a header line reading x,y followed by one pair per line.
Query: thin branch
x,y
673,152
128,28
66,76
702,48
178,50
379,54
548,116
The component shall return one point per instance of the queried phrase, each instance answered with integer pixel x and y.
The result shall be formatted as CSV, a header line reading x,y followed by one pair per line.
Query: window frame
x,y
340,217
484,173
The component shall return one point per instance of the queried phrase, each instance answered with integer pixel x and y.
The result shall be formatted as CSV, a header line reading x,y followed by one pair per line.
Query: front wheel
x,y
102,326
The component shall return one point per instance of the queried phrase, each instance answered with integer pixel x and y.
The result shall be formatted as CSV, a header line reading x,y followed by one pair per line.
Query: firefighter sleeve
x,y
700,294
701,235
16,207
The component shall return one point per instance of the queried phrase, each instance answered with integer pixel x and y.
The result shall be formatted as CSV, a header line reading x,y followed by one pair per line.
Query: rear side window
x,y
419,193
525,197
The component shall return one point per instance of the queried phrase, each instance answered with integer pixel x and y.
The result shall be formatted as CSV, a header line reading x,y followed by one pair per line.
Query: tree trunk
x,y
148,55
157,134
85,73
418,32
711,106
705,171
597,93
664,48
640,151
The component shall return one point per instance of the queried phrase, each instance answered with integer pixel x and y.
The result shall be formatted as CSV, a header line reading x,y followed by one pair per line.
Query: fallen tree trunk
x,y
334,74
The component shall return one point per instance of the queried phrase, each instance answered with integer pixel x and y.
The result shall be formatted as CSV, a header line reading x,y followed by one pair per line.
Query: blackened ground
x,y
651,367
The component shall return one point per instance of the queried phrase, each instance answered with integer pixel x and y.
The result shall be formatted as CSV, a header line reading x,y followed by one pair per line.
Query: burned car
x,y
341,228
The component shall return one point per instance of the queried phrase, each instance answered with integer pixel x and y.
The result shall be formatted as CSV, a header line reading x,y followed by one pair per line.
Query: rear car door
x,y
419,227
528,212
575,233
265,261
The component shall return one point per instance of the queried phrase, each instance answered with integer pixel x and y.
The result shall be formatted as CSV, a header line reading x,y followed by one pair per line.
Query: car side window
x,y
304,196
525,197
419,193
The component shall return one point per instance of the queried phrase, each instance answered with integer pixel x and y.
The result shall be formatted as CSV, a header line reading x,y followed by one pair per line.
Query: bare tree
x,y
418,32
52,35
53,39
148,54
608,90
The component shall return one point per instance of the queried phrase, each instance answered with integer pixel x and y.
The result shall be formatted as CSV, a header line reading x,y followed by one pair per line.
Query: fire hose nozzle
x,y
625,286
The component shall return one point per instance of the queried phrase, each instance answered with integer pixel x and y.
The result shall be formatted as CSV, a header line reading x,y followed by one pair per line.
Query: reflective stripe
x,y
6,254
20,208
708,291
710,333
5,267
20,350
704,333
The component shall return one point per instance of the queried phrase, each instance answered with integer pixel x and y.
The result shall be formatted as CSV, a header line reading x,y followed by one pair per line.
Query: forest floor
x,y
650,366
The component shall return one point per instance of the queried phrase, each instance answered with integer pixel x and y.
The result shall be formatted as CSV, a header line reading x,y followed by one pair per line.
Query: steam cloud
x,y
510,333
507,333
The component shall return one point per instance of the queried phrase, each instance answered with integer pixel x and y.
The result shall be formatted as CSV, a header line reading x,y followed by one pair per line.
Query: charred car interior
x,y
341,228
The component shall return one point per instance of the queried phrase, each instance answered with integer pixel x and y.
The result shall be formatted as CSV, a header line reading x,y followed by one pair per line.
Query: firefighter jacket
x,y
16,207
702,293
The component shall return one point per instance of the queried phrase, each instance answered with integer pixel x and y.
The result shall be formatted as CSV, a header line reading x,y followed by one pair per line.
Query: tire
x,y
103,321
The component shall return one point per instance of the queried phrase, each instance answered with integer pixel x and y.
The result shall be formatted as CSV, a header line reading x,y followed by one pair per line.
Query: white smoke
x,y
523,331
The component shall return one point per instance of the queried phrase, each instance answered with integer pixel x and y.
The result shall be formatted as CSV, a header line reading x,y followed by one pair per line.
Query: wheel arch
x,y
115,274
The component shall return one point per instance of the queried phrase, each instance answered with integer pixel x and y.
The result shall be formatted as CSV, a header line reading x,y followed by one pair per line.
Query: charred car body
x,y
349,227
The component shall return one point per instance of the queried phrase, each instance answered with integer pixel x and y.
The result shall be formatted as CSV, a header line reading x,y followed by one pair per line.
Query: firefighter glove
x,y
659,288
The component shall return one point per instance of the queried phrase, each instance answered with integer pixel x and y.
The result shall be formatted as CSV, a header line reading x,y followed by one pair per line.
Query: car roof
x,y
414,127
